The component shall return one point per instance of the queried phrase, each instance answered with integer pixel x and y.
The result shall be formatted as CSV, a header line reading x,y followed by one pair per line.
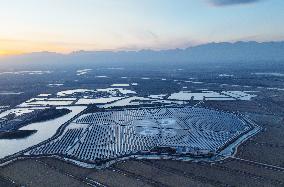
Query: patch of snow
x,y
225,75
97,101
55,85
241,95
187,95
11,93
278,89
26,72
47,103
101,76
44,95
83,71
71,92
160,96
125,102
17,111
270,74
120,85
113,91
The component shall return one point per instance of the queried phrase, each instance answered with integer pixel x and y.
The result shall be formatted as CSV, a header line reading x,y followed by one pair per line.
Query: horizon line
x,y
18,53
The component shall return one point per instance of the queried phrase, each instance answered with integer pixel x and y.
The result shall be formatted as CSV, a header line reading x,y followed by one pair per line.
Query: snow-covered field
x,y
71,92
113,90
125,102
241,95
48,102
17,111
97,101
186,95
212,96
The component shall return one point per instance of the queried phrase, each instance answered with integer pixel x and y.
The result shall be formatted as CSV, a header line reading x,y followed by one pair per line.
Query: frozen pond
x,y
44,131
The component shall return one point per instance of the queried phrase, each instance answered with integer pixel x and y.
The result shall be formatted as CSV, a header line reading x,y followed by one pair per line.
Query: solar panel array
x,y
116,133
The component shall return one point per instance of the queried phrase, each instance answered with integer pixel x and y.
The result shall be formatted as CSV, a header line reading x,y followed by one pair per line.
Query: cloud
x,y
231,2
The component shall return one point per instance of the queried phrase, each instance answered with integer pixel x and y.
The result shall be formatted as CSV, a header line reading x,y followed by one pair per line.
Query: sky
x,y
71,25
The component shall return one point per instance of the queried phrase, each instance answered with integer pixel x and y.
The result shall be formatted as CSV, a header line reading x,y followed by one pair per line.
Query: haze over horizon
x,y
93,25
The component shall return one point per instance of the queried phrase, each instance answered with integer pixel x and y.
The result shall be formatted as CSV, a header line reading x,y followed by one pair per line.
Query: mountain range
x,y
223,52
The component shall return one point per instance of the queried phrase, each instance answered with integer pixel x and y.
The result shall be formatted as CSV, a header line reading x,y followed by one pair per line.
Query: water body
x,y
45,130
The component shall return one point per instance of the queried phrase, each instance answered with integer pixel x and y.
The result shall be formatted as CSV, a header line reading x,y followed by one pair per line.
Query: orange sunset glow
x,y
10,52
